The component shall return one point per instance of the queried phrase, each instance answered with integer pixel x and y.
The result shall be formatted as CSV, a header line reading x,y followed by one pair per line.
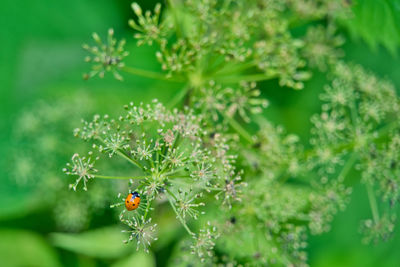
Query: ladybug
x,y
132,201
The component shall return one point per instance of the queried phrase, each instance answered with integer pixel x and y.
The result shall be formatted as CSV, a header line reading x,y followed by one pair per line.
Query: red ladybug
x,y
132,201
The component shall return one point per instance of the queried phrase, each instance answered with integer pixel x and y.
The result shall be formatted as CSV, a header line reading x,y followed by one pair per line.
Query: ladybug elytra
x,y
132,201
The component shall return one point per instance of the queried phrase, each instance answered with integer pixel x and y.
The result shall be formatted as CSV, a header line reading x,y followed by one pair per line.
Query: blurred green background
x,y
41,60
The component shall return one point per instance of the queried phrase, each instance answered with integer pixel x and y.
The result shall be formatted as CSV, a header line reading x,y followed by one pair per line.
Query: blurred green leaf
x,y
376,22
342,257
141,259
16,203
23,248
106,243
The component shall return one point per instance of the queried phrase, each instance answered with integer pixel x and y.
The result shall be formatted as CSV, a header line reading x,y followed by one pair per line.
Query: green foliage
x,y
23,248
45,129
140,259
187,155
376,22
245,191
100,243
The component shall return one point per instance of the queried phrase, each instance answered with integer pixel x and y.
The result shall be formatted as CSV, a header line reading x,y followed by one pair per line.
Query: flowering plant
x,y
255,190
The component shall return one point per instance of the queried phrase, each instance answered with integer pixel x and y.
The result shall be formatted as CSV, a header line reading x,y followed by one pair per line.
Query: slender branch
x,y
179,96
175,18
134,162
170,193
119,177
382,132
195,185
147,209
246,78
176,212
238,128
372,202
347,167
178,176
385,130
175,171
235,68
149,74
342,175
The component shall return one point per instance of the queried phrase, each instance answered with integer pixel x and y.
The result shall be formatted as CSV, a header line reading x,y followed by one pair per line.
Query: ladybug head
x,y
135,194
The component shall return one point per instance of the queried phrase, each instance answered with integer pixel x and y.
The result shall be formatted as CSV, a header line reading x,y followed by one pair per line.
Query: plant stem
x,y
245,78
176,212
179,96
175,171
238,128
147,209
195,186
347,167
235,69
134,162
382,132
170,193
175,17
119,177
149,74
178,176
372,202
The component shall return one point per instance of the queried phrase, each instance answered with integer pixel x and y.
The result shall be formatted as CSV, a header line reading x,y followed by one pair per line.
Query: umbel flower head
x,y
149,27
106,57
83,167
186,205
243,100
176,156
204,242
141,231
163,144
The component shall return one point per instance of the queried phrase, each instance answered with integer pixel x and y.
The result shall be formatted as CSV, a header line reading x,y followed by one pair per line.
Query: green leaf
x,y
376,22
106,243
24,248
137,259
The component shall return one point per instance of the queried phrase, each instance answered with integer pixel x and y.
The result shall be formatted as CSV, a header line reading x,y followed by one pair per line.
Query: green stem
x,y
170,193
235,68
175,171
246,78
213,65
343,173
175,17
347,167
295,21
382,132
238,128
195,186
134,162
179,96
178,176
176,212
147,209
372,202
119,177
149,74
385,130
